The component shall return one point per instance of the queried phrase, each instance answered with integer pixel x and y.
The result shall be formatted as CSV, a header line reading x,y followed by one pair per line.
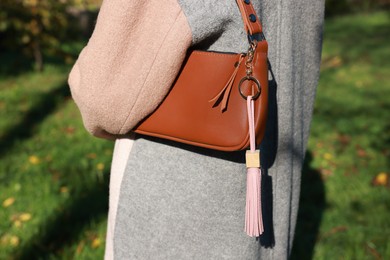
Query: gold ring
x,y
257,83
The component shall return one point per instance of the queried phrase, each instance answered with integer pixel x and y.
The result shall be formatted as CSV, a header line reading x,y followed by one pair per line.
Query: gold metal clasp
x,y
249,72
257,84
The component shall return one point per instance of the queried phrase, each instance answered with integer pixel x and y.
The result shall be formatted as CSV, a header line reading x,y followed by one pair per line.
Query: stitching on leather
x,y
214,53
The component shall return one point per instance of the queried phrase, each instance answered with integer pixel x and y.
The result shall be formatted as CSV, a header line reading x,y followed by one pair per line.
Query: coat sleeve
x,y
129,63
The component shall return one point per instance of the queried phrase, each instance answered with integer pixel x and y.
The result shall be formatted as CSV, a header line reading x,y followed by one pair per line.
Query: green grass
x,y
57,175
342,215
54,170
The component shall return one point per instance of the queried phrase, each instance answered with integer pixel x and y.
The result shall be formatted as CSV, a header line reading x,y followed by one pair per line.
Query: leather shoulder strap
x,y
251,21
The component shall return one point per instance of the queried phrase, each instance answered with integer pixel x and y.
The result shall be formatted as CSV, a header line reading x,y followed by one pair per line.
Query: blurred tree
x,y
335,7
32,26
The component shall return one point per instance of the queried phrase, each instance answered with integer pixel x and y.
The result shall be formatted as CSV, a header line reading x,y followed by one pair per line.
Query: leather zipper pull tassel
x,y
253,213
223,96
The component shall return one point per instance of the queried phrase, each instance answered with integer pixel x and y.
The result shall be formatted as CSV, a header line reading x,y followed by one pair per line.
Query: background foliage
x,y
337,7
38,28
33,26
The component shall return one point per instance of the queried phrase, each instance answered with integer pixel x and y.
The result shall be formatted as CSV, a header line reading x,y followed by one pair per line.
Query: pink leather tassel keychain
x,y
253,214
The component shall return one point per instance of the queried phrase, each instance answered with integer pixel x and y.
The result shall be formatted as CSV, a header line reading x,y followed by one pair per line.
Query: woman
x,y
173,201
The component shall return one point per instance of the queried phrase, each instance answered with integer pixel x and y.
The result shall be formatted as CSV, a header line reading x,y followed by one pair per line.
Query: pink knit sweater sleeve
x,y
129,63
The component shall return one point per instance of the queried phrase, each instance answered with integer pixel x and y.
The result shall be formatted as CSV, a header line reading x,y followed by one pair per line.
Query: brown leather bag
x,y
206,105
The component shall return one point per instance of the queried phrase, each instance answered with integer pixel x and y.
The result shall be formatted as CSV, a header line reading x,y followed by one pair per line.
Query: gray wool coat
x,y
181,202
